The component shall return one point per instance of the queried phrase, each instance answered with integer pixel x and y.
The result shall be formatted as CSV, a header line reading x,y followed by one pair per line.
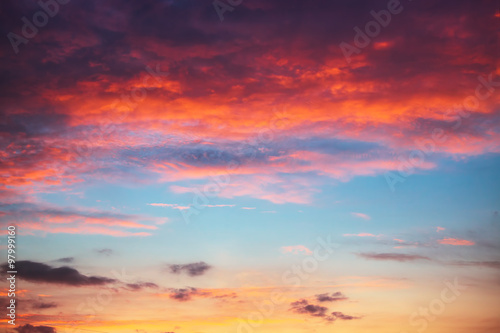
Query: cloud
x,y
185,294
438,229
41,273
362,216
173,206
188,293
363,234
140,286
392,256
303,306
337,296
66,260
38,219
68,131
296,249
35,329
457,242
487,264
341,316
43,305
105,252
192,269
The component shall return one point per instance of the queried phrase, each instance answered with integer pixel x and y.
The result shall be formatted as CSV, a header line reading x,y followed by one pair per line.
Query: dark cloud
x,y
66,260
193,269
35,329
303,306
41,273
105,252
184,294
392,256
43,305
339,315
141,285
337,296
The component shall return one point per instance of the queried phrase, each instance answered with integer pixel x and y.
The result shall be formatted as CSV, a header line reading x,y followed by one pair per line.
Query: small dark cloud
x,y
303,306
392,256
337,296
225,296
339,315
66,260
35,329
184,294
42,273
43,305
141,285
105,252
193,269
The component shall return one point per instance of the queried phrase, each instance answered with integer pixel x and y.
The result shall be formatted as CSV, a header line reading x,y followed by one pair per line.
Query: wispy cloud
x,y
173,206
361,216
296,249
363,234
392,256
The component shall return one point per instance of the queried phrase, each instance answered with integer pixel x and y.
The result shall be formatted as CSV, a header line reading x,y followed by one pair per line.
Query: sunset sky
x,y
243,166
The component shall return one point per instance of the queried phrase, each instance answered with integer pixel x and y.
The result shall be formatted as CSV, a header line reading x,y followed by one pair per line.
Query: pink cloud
x,y
438,229
454,241
361,215
363,234
296,249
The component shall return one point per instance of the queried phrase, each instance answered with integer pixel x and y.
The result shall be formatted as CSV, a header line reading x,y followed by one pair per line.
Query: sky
x,y
251,166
